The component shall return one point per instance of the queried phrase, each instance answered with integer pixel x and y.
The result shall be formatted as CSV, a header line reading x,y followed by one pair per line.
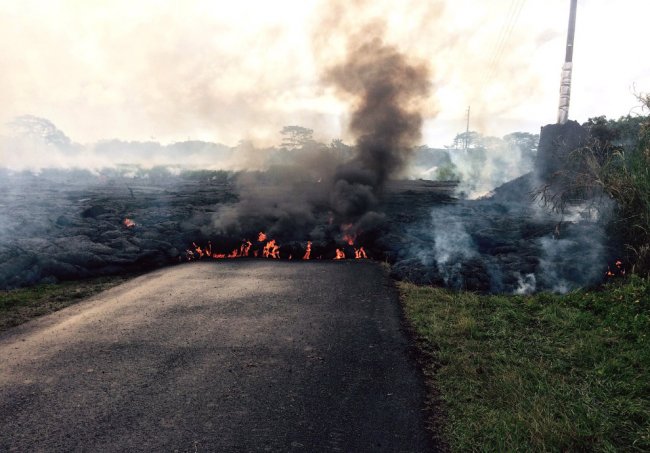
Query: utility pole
x,y
467,130
567,68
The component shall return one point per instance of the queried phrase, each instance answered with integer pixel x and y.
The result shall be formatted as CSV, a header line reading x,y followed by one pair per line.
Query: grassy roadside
x,y
20,305
538,373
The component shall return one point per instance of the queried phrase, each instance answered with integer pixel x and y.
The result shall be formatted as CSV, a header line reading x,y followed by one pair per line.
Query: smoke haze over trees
x,y
504,243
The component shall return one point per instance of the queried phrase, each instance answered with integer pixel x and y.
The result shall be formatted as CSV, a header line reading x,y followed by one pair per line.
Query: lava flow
x,y
307,254
618,270
268,248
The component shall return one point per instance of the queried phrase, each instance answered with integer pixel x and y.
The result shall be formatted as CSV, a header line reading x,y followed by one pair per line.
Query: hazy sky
x,y
225,71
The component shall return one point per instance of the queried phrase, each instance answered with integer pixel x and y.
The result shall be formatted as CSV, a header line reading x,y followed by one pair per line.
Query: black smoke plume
x,y
385,90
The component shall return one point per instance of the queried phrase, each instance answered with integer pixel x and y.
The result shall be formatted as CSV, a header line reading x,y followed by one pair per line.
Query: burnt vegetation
x,y
608,168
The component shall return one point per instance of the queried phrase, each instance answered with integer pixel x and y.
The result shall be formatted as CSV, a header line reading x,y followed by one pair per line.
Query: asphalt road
x,y
218,356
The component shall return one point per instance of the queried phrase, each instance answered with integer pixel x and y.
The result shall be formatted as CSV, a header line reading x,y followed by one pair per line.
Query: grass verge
x,y
20,305
537,373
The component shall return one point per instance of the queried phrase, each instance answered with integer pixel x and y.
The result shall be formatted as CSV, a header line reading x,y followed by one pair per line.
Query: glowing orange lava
x,y
618,270
348,235
360,253
270,249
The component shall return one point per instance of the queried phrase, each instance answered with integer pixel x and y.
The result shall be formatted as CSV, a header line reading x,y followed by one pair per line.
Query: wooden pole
x,y
567,68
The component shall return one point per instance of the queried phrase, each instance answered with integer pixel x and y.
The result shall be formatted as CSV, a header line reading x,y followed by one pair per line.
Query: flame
x,y
348,235
128,223
245,248
618,270
307,251
271,250
198,249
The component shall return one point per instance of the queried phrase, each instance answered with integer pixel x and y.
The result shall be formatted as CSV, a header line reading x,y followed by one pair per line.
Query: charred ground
x,y
63,225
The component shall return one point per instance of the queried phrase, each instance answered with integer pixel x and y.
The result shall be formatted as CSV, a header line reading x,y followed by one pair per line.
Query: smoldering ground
x,y
504,244
68,223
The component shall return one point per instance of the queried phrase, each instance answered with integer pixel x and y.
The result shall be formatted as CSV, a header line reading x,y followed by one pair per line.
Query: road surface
x,y
218,356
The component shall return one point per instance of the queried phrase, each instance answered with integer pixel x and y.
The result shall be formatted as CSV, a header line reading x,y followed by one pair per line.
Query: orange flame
x,y
348,236
360,253
619,270
198,249
245,248
307,251
271,250
128,223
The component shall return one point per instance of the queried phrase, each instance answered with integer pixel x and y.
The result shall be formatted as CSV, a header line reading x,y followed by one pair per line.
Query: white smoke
x,y
33,144
526,284
452,244
481,170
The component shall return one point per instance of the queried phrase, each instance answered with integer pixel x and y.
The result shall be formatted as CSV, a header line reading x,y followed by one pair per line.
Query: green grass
x,y
20,305
537,373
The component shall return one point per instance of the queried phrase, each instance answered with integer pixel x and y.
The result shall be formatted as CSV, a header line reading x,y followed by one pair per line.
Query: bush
x,y
614,164
626,178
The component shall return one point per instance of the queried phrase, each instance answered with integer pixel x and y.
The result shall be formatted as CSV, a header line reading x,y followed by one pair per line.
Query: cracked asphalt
x,y
219,356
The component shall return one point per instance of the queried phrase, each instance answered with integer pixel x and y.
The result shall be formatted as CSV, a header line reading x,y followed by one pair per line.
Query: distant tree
x,y
340,149
621,132
40,128
471,139
490,142
295,136
525,141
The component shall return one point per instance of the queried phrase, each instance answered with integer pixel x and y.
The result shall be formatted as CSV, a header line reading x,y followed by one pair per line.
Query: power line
x,y
510,24
504,27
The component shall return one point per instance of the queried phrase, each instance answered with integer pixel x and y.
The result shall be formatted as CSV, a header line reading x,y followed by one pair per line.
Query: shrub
x,y
614,164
